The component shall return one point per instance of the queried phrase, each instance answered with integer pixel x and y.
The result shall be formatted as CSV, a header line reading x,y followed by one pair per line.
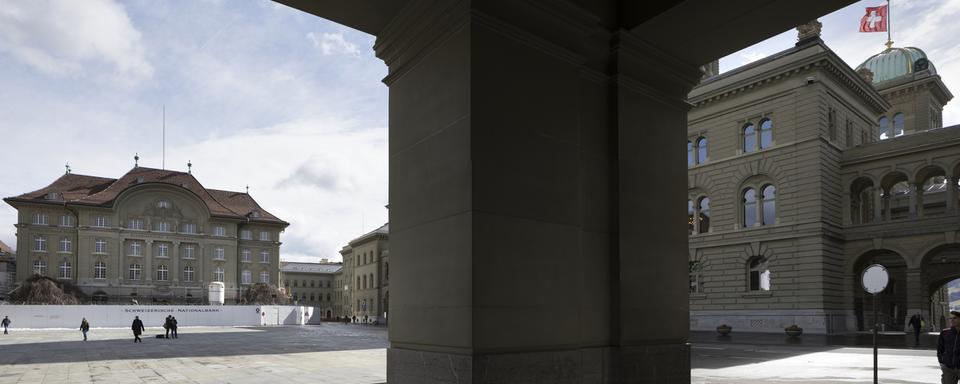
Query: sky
x,y
930,25
255,93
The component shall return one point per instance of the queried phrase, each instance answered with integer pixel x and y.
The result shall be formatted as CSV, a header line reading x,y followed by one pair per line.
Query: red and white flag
x,y
875,20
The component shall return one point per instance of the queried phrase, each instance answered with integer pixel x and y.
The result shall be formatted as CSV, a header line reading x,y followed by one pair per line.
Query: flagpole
x,y
889,26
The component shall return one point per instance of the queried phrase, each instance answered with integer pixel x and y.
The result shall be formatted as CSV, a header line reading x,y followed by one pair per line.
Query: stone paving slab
x,y
327,353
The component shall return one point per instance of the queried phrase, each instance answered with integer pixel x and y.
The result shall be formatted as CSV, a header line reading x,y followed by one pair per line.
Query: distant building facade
x,y
8,270
804,171
150,235
364,282
312,284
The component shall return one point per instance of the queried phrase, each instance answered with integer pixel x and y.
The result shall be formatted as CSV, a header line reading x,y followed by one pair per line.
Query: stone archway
x,y
939,266
892,302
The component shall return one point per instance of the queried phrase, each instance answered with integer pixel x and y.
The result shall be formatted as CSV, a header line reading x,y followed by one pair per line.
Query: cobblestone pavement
x,y
328,353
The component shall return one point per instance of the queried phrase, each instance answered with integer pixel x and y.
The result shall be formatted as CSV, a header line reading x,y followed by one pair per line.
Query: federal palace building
x,y
802,172
150,235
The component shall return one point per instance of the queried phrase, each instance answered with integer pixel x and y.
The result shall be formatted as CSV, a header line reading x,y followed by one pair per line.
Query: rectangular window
x,y
40,243
246,277
264,256
136,224
66,271
163,226
66,221
218,274
848,133
100,246
218,253
134,272
162,272
832,123
264,236
66,245
188,228
245,255
188,274
101,221
163,250
264,277
219,230
100,271
188,251
246,235
40,218
136,249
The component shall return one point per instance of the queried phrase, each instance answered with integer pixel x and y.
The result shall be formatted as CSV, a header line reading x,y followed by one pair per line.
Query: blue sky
x,y
263,95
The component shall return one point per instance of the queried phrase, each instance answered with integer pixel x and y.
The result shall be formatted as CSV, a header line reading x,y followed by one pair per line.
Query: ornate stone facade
x,y
151,235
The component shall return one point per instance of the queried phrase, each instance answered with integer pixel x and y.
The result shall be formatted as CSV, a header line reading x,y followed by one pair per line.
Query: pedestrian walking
x,y
173,326
137,329
167,324
6,323
916,321
948,351
84,327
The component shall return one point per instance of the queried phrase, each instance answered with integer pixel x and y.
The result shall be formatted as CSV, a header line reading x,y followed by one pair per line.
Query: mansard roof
x,y
73,189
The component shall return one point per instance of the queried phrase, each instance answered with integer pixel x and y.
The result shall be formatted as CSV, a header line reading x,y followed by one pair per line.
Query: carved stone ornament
x,y
866,74
808,30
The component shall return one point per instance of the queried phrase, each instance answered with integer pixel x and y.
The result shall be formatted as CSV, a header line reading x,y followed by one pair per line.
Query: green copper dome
x,y
893,63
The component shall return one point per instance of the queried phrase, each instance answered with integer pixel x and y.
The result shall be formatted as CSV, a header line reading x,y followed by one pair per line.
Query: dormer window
x,y
255,214
52,196
136,224
139,179
163,204
219,230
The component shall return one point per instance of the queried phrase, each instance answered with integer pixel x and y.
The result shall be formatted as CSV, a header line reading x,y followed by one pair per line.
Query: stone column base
x,y
664,363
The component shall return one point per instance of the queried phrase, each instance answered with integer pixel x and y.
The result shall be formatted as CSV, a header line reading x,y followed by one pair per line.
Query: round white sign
x,y
875,279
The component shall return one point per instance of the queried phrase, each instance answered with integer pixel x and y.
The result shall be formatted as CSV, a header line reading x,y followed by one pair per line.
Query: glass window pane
x,y
749,207
766,134
898,125
749,138
884,128
769,205
702,150
689,217
690,159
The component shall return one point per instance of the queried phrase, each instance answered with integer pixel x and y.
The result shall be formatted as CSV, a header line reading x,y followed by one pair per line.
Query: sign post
x,y
875,279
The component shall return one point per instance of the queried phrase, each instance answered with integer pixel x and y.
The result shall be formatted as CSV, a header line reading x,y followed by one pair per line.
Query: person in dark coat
x,y
84,328
6,323
137,329
916,321
167,324
173,326
948,351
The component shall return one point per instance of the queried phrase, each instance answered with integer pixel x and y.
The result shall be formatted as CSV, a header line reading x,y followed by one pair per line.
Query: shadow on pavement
x,y
196,344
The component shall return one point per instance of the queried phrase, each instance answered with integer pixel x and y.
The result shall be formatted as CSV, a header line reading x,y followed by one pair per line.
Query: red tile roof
x,y
103,192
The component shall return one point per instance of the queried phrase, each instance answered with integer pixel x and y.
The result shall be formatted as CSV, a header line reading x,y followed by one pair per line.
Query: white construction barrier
x,y
118,316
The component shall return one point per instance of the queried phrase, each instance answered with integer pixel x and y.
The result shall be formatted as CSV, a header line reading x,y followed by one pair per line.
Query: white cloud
x,y
73,38
749,57
333,43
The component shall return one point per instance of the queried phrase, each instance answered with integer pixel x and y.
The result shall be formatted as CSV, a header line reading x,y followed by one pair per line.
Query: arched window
x,y
690,217
691,156
769,207
704,214
162,272
884,124
702,150
766,133
188,273
759,274
749,207
134,272
66,271
100,270
749,138
898,124
40,267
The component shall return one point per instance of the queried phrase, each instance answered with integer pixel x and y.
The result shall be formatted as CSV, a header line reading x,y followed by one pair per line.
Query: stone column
x,y
548,244
878,205
147,270
918,190
951,194
175,263
917,299
914,190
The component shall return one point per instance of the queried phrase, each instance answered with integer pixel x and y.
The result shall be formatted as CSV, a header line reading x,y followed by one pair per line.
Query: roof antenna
x,y
68,168
248,189
189,167
163,139
136,160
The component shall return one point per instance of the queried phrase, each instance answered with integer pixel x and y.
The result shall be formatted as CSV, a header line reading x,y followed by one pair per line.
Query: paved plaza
x,y
328,353
347,354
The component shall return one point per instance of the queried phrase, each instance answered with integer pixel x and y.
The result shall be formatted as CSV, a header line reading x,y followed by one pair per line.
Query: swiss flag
x,y
875,20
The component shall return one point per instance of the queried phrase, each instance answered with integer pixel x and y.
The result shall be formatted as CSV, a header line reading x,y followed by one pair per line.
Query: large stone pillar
x,y
951,194
917,299
538,186
878,205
